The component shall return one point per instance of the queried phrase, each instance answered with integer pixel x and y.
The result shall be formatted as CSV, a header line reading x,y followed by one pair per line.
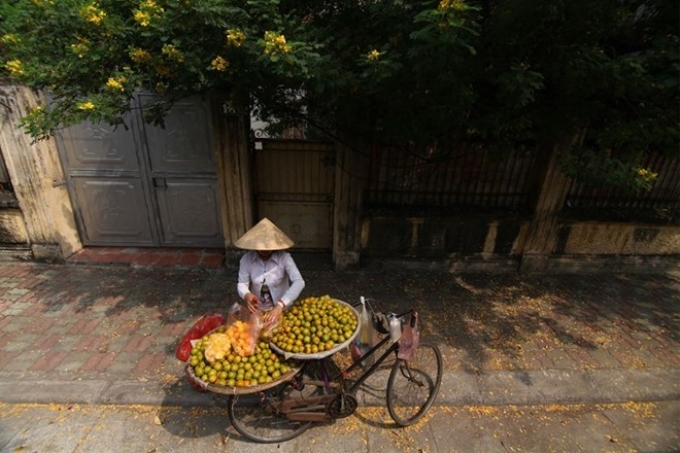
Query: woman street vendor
x,y
268,278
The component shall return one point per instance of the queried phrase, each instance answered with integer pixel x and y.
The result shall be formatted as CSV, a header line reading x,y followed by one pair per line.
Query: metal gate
x,y
294,187
146,185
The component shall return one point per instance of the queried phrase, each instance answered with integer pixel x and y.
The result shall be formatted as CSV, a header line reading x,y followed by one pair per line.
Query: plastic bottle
x,y
395,328
266,295
364,340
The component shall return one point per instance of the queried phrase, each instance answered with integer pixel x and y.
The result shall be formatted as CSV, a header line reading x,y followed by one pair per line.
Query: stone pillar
x,y
232,132
38,179
350,170
552,190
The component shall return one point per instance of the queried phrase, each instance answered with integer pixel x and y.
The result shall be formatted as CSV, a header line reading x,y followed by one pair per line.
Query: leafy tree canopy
x,y
599,76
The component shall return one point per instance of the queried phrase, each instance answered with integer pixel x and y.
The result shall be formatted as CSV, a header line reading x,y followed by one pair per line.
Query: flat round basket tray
x,y
320,355
228,390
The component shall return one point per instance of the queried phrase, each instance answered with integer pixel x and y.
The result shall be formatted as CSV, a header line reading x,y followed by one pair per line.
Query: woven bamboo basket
x,y
228,390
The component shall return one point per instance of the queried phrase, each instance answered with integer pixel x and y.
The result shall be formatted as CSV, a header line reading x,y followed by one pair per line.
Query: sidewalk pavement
x,y
106,334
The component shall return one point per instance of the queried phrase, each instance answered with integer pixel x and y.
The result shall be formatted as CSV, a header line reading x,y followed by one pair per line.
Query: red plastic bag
x,y
201,327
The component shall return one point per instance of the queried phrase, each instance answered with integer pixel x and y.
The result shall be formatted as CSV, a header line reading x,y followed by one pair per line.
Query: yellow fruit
x,y
230,357
314,321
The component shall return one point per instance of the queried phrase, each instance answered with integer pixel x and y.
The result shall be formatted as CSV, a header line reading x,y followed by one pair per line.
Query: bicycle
x,y
287,410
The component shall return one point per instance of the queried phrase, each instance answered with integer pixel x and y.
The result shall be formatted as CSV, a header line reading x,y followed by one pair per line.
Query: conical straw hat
x,y
264,236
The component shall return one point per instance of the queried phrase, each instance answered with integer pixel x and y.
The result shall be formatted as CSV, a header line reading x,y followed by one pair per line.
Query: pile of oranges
x,y
228,356
315,324
234,356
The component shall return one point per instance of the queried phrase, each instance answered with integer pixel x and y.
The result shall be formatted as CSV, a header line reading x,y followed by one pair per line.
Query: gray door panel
x,y
91,146
146,186
116,211
188,210
188,206
184,145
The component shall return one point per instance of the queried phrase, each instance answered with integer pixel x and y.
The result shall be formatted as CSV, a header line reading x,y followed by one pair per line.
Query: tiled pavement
x,y
145,257
83,321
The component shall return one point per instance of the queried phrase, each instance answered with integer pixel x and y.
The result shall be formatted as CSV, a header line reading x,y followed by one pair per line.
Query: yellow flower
x,y
140,56
15,67
92,14
161,88
373,55
446,5
88,105
151,5
172,52
116,84
9,39
80,49
646,174
163,71
142,18
219,63
147,10
235,37
274,42
36,112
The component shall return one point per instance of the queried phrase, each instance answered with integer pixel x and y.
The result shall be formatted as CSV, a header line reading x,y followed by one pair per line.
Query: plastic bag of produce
x,y
269,324
202,326
244,328
410,338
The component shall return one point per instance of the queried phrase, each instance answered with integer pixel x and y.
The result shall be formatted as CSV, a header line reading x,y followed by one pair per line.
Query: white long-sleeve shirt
x,y
279,271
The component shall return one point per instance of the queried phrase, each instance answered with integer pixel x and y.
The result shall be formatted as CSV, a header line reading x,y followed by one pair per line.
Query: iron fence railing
x,y
401,178
664,194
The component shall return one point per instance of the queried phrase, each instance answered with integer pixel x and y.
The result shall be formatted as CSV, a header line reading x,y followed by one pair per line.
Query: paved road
x,y
627,427
102,339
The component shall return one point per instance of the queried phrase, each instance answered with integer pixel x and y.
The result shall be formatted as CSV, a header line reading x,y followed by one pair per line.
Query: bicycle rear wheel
x,y
256,416
413,385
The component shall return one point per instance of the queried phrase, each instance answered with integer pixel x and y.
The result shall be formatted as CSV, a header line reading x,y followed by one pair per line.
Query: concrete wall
x,y
608,238
439,236
38,180
12,226
473,240
495,242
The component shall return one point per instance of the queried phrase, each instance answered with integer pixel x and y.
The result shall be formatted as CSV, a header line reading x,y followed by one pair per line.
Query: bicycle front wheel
x,y
413,385
257,416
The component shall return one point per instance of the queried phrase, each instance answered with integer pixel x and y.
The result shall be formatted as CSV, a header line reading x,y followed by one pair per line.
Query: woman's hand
x,y
251,302
272,314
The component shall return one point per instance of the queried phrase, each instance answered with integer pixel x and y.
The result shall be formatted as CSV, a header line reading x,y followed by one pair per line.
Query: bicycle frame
x,y
367,373
357,363
313,395
306,408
